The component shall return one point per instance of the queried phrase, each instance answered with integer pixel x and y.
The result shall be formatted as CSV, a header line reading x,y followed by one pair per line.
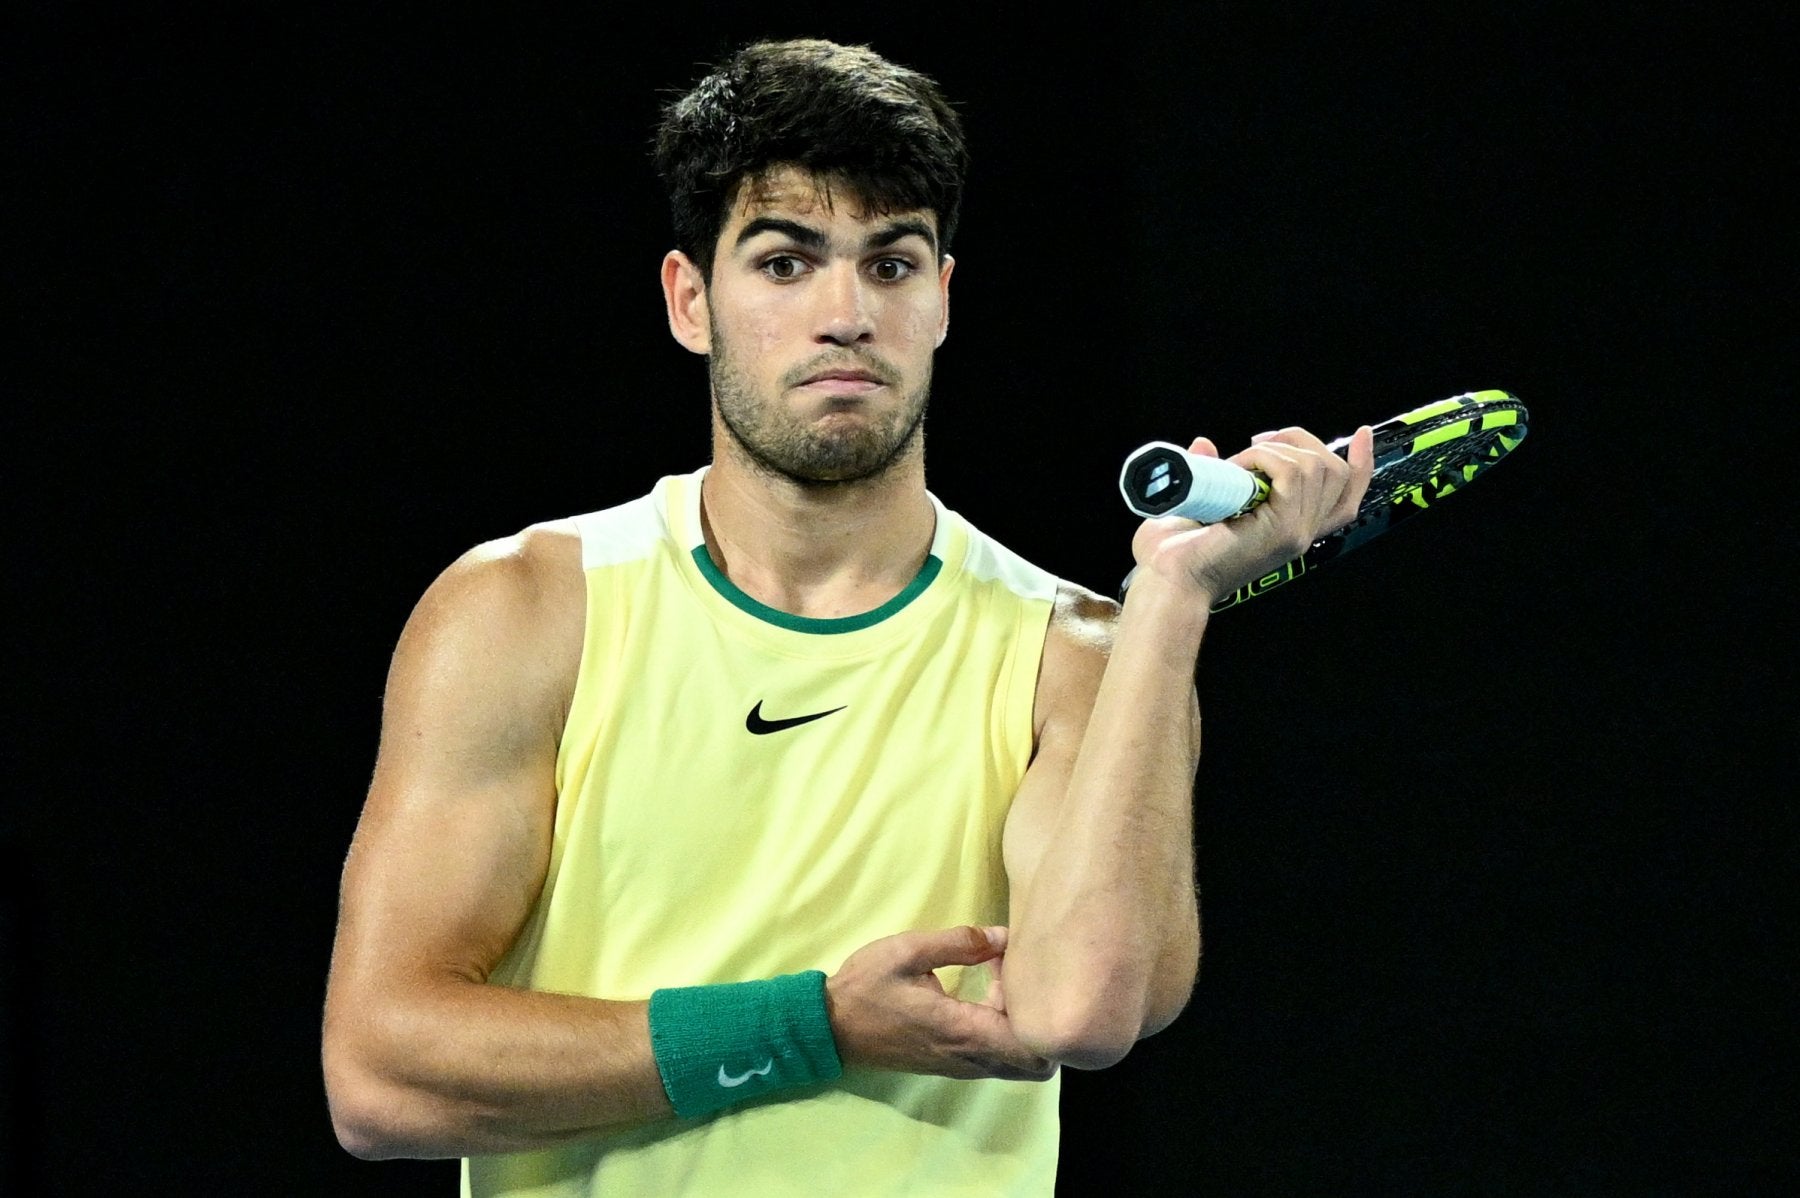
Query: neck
x,y
823,551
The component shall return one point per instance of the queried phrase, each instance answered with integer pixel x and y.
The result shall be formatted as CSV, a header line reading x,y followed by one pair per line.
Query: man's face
x,y
823,319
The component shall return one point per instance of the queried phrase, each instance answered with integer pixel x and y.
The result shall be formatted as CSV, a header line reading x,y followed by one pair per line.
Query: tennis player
x,y
779,831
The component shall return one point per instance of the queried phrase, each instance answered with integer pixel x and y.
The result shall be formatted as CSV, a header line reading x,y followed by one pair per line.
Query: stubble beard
x,y
777,442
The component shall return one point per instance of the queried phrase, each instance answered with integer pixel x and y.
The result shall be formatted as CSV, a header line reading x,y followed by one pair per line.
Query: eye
x,y
892,270
782,267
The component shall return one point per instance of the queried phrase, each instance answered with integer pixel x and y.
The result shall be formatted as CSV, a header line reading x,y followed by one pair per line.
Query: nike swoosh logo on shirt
x,y
761,727
728,1081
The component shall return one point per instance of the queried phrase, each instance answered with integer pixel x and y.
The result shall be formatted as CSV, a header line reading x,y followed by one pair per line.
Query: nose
x,y
846,309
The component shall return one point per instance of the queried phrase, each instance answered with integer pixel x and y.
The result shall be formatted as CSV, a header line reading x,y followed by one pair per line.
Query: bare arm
x,y
1105,928
1099,845
421,1057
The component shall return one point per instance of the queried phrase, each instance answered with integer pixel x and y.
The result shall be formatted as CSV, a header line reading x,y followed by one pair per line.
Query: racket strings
x,y
1441,469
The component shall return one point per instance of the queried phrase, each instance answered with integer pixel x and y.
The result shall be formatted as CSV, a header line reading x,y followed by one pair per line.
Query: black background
x,y
1494,817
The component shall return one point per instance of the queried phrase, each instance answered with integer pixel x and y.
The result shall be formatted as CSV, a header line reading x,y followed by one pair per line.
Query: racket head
x,y
1422,456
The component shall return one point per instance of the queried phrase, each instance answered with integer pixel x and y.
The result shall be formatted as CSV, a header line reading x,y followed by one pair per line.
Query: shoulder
x,y
528,574
1083,621
526,593
510,611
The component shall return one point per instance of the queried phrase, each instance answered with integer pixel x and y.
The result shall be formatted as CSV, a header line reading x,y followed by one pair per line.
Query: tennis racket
x,y
1421,456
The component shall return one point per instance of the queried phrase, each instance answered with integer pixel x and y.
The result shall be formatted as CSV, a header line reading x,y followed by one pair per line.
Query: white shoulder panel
x,y
990,561
624,533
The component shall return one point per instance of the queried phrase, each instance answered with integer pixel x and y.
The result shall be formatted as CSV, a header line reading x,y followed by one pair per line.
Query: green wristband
x,y
719,1045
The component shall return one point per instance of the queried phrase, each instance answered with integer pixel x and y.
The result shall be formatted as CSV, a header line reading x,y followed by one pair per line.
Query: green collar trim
x,y
781,619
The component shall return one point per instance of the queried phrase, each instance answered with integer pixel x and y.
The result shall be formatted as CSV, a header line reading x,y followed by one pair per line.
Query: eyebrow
x,y
813,239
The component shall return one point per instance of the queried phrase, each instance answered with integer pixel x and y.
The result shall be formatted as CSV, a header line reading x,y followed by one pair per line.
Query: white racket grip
x,y
1163,479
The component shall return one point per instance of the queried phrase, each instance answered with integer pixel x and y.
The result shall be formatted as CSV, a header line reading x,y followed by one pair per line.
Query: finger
x,y
1293,435
987,1036
1204,447
1304,486
996,991
1283,465
1360,454
1005,1071
1276,452
921,952
1331,474
1362,459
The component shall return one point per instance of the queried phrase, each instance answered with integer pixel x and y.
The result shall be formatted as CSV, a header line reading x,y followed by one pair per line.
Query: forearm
x,y
453,1067
1105,936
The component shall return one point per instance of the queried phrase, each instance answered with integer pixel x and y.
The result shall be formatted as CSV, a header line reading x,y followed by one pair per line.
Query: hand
x,y
888,1010
1312,492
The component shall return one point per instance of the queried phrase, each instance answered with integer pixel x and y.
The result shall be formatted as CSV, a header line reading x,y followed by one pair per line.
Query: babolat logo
x,y
1269,581
1273,579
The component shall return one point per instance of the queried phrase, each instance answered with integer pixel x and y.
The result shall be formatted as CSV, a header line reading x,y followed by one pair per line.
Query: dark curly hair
x,y
844,114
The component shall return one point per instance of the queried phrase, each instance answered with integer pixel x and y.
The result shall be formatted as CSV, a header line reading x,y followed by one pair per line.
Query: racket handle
x,y
1163,479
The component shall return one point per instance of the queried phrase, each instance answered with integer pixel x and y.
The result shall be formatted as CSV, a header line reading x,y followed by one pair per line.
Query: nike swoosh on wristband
x,y
761,727
728,1081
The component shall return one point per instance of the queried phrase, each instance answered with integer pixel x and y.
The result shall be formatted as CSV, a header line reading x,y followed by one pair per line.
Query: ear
x,y
944,298
684,295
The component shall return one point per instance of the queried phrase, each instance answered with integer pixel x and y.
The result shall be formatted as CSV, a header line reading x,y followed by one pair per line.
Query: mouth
x,y
849,374
850,381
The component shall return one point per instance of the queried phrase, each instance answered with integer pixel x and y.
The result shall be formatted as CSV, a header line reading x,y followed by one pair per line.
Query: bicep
x,y
1077,654
1069,675
1031,821
441,873
451,848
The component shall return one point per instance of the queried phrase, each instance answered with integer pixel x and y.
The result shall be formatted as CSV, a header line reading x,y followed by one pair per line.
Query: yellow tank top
x,y
705,832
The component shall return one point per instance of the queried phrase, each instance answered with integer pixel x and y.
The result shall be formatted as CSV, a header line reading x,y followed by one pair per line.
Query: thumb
x,y
966,945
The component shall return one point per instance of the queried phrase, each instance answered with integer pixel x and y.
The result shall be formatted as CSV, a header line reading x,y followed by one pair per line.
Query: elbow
x,y
1173,991
374,1118
363,1139
373,1122
358,1121
1097,1028
1081,1036
1089,1017
379,1123
363,1112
